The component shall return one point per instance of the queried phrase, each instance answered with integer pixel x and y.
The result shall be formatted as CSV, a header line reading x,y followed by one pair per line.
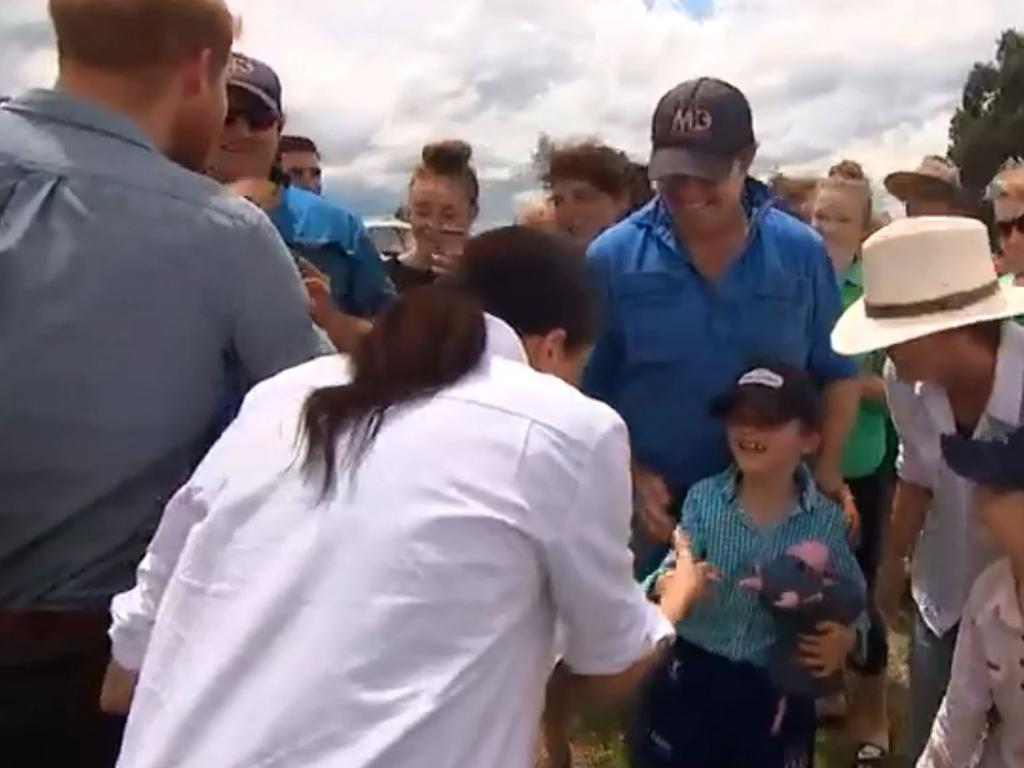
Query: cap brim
x,y
680,161
257,92
857,334
975,460
906,185
765,404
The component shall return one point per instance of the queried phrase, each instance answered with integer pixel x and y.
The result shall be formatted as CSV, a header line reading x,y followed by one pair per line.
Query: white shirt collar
x,y
1007,398
504,342
1008,388
1003,603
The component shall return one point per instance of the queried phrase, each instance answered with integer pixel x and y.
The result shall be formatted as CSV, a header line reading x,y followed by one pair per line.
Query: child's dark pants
x,y
705,711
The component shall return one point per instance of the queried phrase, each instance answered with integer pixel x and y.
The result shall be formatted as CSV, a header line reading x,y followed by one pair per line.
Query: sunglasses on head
x,y
1006,227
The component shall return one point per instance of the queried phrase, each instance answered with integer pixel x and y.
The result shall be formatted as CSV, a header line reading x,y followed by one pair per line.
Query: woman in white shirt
x,y
366,570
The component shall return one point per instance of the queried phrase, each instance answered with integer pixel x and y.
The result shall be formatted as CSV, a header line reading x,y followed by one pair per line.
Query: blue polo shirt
x,y
336,243
673,340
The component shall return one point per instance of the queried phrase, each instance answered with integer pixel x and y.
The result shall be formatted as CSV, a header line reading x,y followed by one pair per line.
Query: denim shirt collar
x,y
757,200
60,106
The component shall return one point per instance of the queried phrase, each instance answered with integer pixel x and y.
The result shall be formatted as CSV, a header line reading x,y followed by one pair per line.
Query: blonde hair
x,y
141,35
849,175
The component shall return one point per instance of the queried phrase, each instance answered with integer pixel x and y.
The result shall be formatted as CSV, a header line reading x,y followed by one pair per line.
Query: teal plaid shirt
x,y
730,621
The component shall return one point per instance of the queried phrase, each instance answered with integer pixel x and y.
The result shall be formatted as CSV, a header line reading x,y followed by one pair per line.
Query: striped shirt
x,y
731,621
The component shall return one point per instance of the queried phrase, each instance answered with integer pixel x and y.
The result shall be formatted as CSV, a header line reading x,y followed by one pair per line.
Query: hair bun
x,y
447,157
850,170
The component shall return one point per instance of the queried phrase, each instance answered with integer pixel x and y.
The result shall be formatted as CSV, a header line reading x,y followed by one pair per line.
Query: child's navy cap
x,y
996,464
772,394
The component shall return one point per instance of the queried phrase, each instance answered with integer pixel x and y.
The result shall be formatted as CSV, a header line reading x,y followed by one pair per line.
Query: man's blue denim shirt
x,y
672,340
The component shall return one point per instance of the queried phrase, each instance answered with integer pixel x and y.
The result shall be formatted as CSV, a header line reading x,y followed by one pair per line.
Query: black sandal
x,y
870,756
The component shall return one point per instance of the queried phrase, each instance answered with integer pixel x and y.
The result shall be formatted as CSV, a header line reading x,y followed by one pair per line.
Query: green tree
x,y
988,127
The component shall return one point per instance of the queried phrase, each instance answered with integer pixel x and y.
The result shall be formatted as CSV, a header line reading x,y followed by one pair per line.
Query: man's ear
x,y
195,72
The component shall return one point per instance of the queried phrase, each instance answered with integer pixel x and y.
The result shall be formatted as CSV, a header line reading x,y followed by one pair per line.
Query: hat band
x,y
947,303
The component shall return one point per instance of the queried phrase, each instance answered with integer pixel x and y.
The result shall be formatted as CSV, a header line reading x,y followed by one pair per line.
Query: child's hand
x,y
825,653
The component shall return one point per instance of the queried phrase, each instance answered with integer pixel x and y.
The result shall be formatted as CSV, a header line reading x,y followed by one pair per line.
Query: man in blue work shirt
x,y
706,279
331,238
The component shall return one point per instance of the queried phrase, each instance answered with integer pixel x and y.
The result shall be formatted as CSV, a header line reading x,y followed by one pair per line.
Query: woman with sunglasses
x,y
443,203
1008,200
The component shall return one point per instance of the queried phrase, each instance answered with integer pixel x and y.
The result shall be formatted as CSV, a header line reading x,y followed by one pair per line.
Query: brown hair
x,y
126,35
795,192
450,159
432,336
849,174
297,144
603,167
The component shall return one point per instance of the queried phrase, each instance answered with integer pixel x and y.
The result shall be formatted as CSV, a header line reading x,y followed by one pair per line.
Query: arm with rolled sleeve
x,y
269,312
841,397
609,623
959,728
823,362
133,613
603,367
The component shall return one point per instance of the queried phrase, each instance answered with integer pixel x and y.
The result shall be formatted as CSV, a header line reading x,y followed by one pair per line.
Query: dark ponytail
x,y
428,339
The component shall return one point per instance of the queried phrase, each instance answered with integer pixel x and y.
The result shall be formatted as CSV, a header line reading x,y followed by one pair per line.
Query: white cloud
x,y
371,81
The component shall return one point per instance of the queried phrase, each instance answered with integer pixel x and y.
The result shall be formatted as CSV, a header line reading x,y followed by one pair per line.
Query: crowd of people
x,y
672,443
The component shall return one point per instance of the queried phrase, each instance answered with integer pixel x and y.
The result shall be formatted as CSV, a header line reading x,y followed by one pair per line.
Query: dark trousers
x,y
705,711
873,495
49,702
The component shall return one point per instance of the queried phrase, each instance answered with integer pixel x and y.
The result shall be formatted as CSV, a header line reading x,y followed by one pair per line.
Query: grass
x,y
599,744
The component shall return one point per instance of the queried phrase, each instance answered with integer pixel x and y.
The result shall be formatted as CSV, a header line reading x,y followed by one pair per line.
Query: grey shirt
x,y
137,303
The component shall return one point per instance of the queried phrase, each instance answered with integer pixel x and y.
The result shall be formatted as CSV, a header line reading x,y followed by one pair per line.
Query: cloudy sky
x,y
372,80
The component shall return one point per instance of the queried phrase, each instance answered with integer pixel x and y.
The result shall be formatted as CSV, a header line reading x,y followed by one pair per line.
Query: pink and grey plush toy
x,y
798,590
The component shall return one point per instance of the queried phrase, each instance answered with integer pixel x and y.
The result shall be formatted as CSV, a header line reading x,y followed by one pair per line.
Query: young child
x,y
988,664
714,705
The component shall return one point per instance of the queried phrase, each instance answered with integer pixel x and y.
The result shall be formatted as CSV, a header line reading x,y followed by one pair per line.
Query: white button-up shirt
x,y
408,619
950,553
988,671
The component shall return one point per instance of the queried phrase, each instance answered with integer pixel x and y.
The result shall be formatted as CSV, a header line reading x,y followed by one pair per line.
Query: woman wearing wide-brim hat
x,y
933,301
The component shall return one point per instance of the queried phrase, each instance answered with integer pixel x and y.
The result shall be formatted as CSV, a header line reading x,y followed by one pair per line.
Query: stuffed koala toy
x,y
798,590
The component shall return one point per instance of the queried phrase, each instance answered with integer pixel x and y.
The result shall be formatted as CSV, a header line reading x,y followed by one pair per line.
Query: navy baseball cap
x,y
257,78
699,129
995,464
772,394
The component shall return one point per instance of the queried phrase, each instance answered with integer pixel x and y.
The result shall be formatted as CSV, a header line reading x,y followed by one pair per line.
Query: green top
x,y
865,447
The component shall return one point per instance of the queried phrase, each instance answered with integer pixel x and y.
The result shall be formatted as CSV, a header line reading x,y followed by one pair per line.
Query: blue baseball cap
x,y
995,464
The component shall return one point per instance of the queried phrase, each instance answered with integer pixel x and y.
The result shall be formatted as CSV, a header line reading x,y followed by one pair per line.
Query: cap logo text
x,y
690,121
762,377
240,65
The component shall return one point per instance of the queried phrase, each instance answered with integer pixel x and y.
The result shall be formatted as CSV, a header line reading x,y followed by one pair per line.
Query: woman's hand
x,y
825,653
688,582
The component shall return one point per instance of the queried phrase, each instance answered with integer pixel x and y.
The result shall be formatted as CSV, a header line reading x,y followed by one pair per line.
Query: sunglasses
x,y
243,106
1006,228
